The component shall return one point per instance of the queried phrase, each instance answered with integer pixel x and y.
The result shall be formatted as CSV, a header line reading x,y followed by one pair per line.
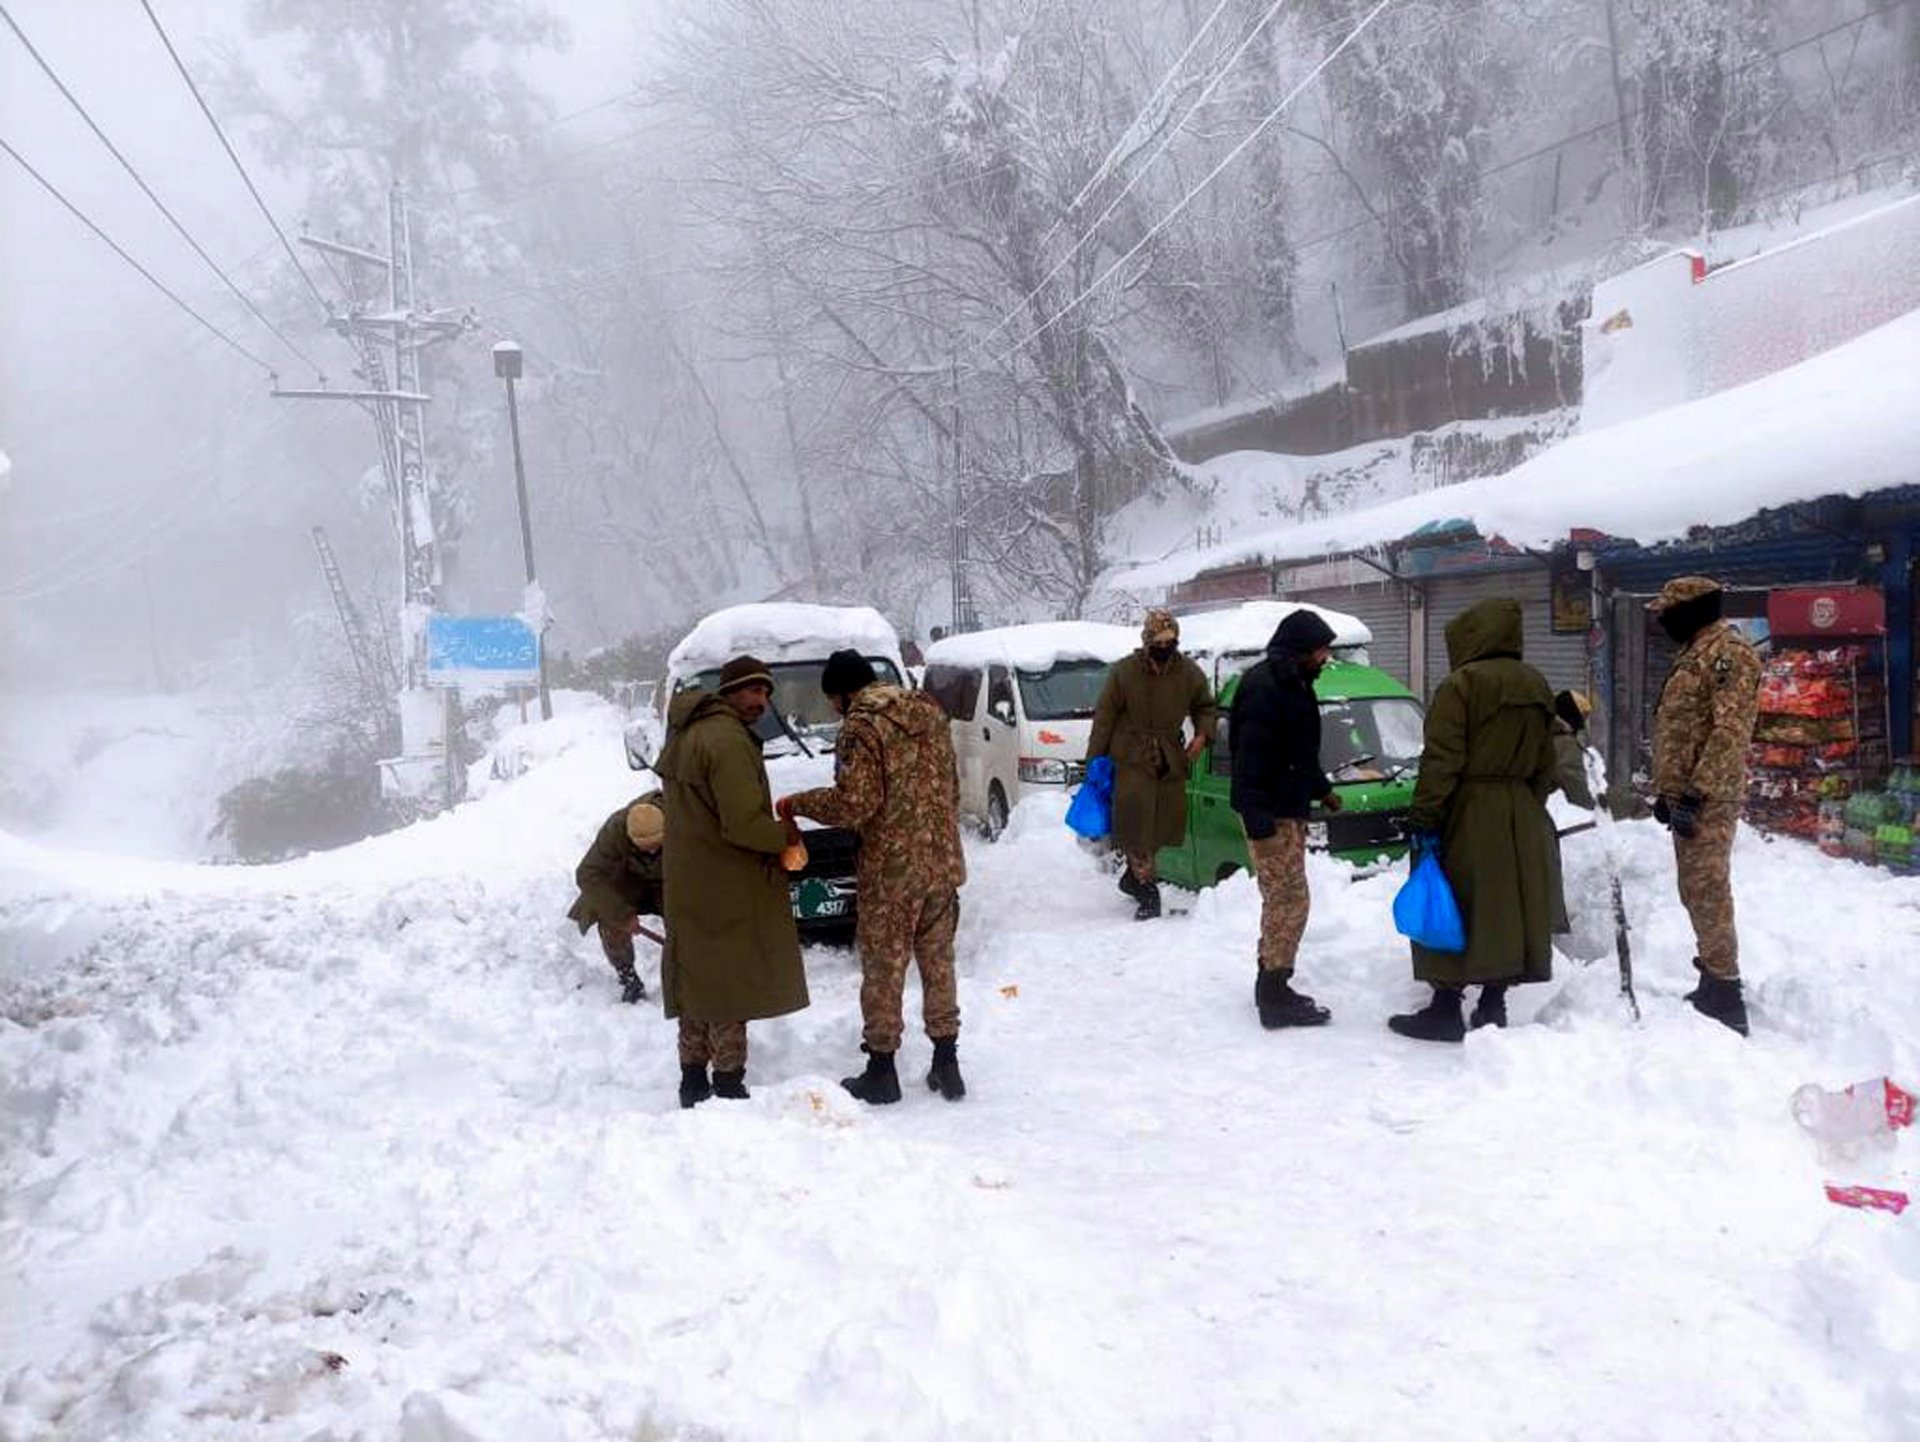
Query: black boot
x,y
1148,897
693,1085
1694,995
632,989
1438,1020
1128,886
944,1076
1491,1009
1280,1005
1723,1000
731,1084
879,1084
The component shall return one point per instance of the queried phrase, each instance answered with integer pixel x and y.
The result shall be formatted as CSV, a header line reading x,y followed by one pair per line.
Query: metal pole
x,y
526,533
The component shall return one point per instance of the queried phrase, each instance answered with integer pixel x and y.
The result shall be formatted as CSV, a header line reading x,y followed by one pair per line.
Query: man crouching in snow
x,y
620,880
732,953
896,783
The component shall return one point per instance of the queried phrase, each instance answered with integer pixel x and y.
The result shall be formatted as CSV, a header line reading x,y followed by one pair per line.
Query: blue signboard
x,y
477,651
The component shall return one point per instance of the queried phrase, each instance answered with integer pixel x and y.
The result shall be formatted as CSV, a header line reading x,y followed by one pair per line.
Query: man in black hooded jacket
x,y
1273,735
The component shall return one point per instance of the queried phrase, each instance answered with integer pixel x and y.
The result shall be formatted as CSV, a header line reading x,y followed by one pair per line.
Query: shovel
x,y
1610,837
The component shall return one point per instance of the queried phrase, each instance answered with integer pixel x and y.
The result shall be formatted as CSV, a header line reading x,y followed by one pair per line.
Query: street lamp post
x,y
506,365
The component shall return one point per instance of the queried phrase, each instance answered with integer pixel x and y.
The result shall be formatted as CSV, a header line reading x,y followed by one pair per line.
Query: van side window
x,y
956,688
1000,689
1220,753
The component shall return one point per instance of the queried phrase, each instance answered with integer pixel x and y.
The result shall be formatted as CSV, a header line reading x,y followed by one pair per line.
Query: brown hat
x,y
1682,589
1159,626
744,671
646,824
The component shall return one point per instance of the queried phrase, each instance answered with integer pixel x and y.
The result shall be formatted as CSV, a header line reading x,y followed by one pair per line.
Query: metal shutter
x,y
1562,659
1384,610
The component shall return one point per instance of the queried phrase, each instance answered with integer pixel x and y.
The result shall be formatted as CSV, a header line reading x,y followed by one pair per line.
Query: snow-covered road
x,y
362,1147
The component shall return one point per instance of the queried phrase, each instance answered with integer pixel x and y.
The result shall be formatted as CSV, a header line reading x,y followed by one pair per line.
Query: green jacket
x,y
732,953
617,880
1485,774
1137,722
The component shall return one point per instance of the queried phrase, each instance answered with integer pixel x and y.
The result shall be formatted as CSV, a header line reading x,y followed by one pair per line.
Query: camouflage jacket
x,y
895,782
1705,719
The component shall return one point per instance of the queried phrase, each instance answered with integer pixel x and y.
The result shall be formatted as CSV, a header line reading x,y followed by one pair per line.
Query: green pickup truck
x,y
1371,734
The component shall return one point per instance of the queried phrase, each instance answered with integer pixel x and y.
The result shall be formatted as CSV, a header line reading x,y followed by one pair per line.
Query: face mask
x,y
1162,652
1679,628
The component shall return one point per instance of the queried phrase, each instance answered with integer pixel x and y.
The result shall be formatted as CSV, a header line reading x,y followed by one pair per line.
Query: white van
x,y
795,641
1021,699
1230,640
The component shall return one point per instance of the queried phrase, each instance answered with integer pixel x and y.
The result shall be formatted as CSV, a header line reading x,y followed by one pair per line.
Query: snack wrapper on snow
x,y
1868,1199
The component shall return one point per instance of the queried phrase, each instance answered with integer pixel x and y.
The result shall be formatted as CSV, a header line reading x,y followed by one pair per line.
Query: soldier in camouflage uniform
x,y
620,880
895,782
1701,732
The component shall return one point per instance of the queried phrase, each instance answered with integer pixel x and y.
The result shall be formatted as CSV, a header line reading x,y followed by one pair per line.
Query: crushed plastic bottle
x,y
1846,1123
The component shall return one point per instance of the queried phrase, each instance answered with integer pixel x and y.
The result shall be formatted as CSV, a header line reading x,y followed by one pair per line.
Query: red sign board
x,y
1837,611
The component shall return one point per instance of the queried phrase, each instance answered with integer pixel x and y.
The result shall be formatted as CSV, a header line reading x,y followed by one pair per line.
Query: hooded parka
x,y
732,952
1485,773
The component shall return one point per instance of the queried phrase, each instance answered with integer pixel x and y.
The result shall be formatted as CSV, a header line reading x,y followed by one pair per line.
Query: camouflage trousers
x,y
1280,866
617,943
892,932
1706,887
724,1043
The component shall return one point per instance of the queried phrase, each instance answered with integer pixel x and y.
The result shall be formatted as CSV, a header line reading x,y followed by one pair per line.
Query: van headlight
x,y
1043,771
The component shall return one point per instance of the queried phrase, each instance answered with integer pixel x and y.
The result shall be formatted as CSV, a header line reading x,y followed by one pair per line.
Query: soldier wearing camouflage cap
x,y
1702,728
1148,698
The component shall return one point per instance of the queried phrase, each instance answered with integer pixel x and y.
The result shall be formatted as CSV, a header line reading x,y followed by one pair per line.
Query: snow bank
x,y
1844,423
362,1146
1671,331
1037,647
783,632
1246,628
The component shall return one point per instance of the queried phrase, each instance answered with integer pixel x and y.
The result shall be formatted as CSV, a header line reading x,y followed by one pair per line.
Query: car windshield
x,y
1065,691
1368,738
797,697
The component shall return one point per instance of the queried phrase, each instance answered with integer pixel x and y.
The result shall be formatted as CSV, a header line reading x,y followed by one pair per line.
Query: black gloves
x,y
1682,813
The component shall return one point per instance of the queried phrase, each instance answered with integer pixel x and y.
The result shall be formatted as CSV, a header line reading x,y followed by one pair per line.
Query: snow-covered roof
x,y
1843,423
1036,647
1250,625
784,631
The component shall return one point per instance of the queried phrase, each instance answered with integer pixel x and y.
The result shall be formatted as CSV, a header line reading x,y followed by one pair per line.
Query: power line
x,y
1187,199
159,204
1134,179
234,156
118,250
1120,141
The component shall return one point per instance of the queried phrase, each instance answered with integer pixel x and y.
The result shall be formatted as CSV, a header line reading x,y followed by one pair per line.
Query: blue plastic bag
x,y
1091,811
1425,911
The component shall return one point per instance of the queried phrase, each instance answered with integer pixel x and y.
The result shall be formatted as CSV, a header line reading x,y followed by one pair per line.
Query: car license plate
x,y
816,900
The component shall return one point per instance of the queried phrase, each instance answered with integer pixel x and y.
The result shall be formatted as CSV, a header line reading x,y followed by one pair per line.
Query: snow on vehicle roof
x,y
1250,625
1037,647
1843,423
784,631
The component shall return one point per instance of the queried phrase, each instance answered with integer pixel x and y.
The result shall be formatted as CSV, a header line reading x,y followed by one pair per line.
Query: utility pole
x,y
506,365
1628,189
398,406
372,663
964,617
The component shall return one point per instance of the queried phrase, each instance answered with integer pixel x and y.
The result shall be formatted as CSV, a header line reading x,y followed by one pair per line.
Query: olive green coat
x,y
1137,722
617,880
1485,774
732,953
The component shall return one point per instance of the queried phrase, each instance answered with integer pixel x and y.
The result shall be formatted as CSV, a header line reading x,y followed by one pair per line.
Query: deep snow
x,y
362,1147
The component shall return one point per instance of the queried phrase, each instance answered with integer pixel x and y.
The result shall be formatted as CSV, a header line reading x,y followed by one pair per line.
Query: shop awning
x,y
1845,423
